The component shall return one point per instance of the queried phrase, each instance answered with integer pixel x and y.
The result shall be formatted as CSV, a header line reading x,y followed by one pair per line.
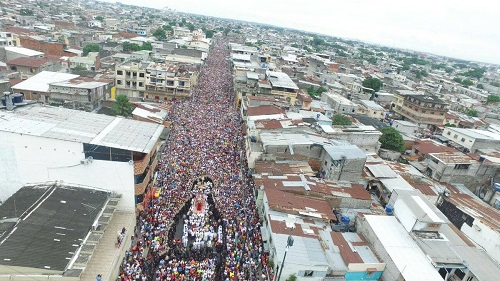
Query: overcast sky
x,y
462,29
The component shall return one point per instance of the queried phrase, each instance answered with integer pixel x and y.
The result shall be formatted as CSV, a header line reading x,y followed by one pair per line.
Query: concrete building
x,y
405,127
342,162
37,87
130,79
282,86
8,39
12,53
372,109
427,111
28,66
42,143
403,257
80,93
90,62
471,139
479,221
56,230
339,103
166,80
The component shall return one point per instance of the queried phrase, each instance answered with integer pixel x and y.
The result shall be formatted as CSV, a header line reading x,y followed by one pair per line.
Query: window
x,y
455,136
119,72
449,133
308,273
119,82
141,84
141,75
461,166
462,140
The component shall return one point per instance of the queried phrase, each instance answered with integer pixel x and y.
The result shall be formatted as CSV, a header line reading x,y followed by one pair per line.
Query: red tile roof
x,y
264,110
428,146
17,30
28,62
345,251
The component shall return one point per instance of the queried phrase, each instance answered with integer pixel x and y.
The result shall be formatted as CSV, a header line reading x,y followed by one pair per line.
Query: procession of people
x,y
220,237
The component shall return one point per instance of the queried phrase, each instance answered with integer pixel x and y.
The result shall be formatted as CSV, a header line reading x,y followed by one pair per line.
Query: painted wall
x,y
356,276
30,159
486,237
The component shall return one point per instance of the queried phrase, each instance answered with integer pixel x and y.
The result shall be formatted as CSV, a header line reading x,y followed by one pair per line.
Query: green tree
x,y
25,12
91,48
467,83
99,18
160,34
78,68
292,277
480,86
475,73
373,83
341,120
493,98
315,93
495,84
191,27
391,139
122,106
209,34
471,112
449,125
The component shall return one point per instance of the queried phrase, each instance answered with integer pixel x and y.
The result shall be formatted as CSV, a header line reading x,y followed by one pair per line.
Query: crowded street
x,y
204,224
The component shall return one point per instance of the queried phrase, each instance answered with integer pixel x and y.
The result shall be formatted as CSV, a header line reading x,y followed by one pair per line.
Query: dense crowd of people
x,y
205,142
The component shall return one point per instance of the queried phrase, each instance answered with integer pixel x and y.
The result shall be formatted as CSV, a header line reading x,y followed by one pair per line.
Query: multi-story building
x,y
28,67
427,111
471,139
90,62
80,93
165,80
339,103
8,39
130,79
77,147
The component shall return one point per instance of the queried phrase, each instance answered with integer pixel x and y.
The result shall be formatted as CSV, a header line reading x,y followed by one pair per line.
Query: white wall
x,y
484,236
404,215
29,159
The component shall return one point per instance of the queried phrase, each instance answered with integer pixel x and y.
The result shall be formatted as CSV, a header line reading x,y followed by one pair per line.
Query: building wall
x,y
30,159
351,168
391,272
486,237
49,48
405,129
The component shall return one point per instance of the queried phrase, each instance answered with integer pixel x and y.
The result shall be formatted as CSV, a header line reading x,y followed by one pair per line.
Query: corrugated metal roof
x,y
381,171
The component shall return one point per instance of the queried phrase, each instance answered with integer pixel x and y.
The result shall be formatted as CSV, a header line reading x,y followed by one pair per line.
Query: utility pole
x,y
289,243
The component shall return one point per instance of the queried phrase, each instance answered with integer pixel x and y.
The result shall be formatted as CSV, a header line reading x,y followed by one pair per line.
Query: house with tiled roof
x,y
29,66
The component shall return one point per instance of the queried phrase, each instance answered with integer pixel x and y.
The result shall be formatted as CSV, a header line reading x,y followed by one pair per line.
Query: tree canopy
x,y
160,34
132,47
471,112
209,33
372,83
493,98
99,18
341,119
25,12
475,73
315,92
391,139
91,48
122,106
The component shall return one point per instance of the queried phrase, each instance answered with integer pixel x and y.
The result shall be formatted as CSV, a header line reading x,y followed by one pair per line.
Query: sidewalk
x,y
106,257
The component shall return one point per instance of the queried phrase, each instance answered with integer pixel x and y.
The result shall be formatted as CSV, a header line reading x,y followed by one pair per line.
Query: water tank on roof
x,y
264,65
345,219
389,209
17,98
3,101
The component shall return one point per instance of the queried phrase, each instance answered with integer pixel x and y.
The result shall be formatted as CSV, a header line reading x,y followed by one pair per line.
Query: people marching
x,y
220,236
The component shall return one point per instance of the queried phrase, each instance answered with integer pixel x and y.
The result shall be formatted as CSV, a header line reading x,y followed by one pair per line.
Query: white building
x,y
41,143
372,109
405,127
339,103
472,139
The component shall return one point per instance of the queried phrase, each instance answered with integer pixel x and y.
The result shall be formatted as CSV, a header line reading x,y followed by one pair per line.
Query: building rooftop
x,y
349,151
454,158
409,259
428,98
281,80
264,110
24,51
476,133
28,61
82,127
40,82
52,222
274,168
371,105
